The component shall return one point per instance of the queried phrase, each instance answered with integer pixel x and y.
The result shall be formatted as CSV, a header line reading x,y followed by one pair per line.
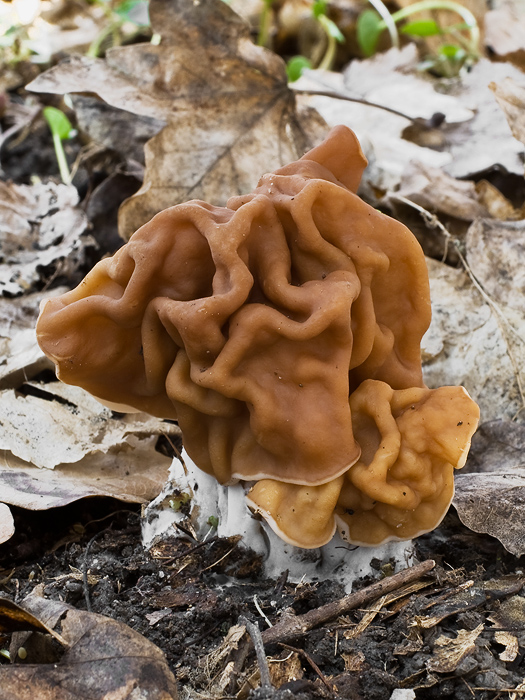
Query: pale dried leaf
x,y
469,343
497,446
511,98
7,525
486,140
510,642
505,34
496,204
41,227
45,432
104,660
436,191
494,503
449,652
286,669
495,253
230,113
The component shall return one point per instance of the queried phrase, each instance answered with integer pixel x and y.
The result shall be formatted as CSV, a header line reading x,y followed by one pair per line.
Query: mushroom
x,y
283,333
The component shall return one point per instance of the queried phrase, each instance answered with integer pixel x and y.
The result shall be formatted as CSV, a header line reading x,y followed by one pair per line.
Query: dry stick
x,y
255,633
312,663
300,625
358,100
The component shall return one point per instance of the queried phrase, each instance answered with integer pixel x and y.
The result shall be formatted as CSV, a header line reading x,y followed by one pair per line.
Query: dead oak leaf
x,y
511,98
103,660
230,114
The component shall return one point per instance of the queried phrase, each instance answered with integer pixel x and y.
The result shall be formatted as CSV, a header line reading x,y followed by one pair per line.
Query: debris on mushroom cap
x,y
258,327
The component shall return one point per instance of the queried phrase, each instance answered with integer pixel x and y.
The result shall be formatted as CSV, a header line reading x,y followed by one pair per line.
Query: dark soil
x,y
202,592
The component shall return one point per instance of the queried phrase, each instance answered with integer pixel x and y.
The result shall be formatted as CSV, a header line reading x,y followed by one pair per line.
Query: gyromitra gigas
x,y
283,333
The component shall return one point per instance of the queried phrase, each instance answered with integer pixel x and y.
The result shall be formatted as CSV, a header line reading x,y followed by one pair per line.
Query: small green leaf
x,y
331,29
452,51
58,123
423,27
296,66
369,28
319,8
213,521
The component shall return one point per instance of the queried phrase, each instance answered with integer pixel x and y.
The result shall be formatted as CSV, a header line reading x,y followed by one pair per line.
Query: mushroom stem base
x,y
190,490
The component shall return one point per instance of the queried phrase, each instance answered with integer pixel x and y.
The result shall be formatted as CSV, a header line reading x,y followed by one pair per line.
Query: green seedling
x,y
450,56
296,66
213,521
332,31
179,501
128,12
61,130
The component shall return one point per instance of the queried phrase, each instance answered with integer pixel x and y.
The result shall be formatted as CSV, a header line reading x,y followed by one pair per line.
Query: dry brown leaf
x,y
511,98
230,113
494,503
496,204
104,660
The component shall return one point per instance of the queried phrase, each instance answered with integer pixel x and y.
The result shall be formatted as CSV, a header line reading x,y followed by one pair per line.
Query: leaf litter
x,y
186,595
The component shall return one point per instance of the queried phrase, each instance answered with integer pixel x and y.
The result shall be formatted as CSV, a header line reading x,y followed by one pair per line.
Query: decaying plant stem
x,y
299,626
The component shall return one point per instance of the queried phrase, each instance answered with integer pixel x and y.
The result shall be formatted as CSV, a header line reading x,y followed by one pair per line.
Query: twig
x,y
258,644
358,100
301,624
312,663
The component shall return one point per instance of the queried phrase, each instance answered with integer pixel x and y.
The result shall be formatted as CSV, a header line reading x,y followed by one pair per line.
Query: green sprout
x,y
213,521
61,130
450,56
332,31
179,501
127,12
297,64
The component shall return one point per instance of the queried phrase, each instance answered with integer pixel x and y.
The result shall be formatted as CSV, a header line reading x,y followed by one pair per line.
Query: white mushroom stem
x,y
336,560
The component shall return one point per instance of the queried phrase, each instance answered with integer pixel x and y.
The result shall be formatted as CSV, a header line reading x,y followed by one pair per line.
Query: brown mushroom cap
x,y
252,324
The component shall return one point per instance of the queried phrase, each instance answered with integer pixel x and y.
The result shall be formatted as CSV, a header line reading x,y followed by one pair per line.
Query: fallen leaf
x,y
496,446
43,232
510,642
471,343
494,503
486,140
496,204
438,192
58,444
511,98
504,34
230,113
7,524
54,423
103,660
495,253
449,652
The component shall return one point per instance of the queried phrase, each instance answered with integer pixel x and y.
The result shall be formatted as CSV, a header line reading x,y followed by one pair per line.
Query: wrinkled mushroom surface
x,y
283,333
